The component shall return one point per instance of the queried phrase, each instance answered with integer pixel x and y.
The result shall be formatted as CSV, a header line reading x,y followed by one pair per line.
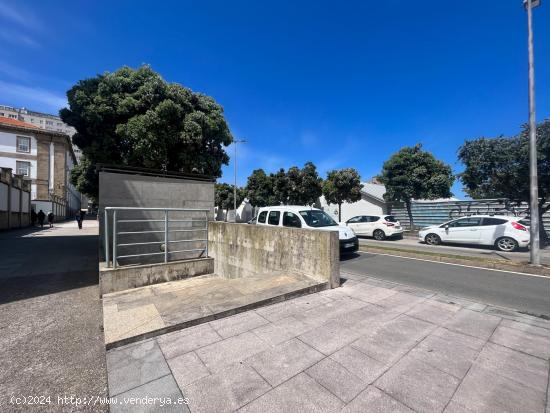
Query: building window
x,y
12,116
49,122
23,144
23,168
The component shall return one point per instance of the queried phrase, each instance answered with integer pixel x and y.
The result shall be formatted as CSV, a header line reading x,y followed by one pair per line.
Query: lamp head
x,y
534,3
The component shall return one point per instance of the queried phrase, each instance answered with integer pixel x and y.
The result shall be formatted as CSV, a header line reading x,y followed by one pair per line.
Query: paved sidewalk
x,y
370,346
50,317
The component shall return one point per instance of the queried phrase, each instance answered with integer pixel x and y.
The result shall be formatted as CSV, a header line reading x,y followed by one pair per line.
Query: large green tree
x,y
281,186
135,118
413,173
305,185
260,189
343,185
499,167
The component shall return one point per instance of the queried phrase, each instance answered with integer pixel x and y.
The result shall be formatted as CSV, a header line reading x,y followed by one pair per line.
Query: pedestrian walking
x,y
79,220
33,218
51,218
82,216
41,217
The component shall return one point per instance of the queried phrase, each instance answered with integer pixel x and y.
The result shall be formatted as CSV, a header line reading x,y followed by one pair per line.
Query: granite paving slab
x,y
406,351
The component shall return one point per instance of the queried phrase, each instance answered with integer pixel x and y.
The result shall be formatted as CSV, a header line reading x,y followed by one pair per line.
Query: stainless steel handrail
x,y
111,259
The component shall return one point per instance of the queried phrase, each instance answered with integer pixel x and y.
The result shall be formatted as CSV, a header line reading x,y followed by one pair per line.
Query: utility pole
x,y
235,142
533,178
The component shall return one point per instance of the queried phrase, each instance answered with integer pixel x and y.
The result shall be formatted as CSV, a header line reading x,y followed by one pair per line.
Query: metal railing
x,y
112,222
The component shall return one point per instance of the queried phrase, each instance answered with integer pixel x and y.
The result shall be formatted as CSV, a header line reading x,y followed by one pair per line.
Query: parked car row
x,y
505,233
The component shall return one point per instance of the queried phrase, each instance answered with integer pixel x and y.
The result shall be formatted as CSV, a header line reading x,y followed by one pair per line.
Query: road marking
x,y
457,265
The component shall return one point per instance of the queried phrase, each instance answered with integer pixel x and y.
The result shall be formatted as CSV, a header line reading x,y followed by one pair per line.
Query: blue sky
x,y
343,84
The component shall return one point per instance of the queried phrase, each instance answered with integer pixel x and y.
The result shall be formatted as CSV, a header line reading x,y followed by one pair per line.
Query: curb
x,y
459,259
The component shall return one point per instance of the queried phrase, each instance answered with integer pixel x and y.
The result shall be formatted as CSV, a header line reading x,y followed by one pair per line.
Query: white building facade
x,y
371,203
44,157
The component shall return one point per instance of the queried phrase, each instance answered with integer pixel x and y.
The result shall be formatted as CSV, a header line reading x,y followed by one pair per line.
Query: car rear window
x,y
273,218
493,221
525,221
261,217
390,218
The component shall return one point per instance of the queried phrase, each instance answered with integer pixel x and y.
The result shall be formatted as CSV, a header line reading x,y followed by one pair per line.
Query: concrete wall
x,y
14,200
134,190
124,278
242,250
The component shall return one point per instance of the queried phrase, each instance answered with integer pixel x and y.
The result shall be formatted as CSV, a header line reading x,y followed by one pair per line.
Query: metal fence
x,y
427,213
134,235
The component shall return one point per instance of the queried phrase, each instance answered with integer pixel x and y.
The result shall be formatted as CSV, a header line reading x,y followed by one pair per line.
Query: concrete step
x,y
149,311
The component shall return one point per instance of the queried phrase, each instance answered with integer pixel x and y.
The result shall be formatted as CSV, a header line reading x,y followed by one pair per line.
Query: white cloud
x,y
18,38
36,98
14,72
24,18
18,25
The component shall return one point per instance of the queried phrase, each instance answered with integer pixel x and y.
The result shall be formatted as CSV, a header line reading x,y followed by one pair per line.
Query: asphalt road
x,y
526,293
457,249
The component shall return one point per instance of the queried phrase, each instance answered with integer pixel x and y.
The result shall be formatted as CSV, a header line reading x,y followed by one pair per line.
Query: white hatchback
x,y
378,226
504,232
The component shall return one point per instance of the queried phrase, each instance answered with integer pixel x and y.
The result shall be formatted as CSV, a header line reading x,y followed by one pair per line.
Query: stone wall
x,y
242,250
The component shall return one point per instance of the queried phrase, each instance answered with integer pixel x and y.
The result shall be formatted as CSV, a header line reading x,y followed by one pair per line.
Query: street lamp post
x,y
533,178
235,142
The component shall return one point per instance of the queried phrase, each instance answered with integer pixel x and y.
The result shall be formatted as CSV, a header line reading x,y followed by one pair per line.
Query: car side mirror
x,y
446,227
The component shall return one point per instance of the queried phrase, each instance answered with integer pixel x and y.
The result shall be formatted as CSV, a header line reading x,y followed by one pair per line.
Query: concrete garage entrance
x,y
253,266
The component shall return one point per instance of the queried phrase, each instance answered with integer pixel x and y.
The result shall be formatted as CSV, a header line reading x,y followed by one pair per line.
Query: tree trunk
x,y
409,213
339,212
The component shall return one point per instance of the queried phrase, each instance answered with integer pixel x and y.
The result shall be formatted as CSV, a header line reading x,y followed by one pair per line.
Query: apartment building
x,y
41,120
44,156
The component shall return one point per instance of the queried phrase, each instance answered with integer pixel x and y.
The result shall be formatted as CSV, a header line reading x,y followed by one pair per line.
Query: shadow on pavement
x,y
21,288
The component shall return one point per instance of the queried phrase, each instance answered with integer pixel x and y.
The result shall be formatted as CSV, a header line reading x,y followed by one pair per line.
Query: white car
x,y
307,217
378,226
504,232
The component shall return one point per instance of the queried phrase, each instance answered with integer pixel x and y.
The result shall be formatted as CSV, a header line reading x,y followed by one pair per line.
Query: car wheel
x,y
432,239
506,244
379,235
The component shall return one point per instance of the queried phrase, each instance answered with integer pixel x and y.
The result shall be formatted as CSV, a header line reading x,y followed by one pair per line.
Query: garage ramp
x,y
145,312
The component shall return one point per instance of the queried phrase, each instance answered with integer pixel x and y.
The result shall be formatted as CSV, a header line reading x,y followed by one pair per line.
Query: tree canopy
x,y
135,118
305,185
342,185
259,189
412,173
293,187
499,167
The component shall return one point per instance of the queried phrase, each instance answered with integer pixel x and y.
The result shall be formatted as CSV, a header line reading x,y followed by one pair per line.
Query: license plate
x,y
397,227
348,245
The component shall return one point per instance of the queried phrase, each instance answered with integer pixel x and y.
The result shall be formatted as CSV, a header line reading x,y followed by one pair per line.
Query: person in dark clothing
x,y
50,219
41,217
79,220
33,218
82,215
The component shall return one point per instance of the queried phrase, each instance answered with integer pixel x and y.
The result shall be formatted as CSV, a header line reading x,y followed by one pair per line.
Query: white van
x,y
308,217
